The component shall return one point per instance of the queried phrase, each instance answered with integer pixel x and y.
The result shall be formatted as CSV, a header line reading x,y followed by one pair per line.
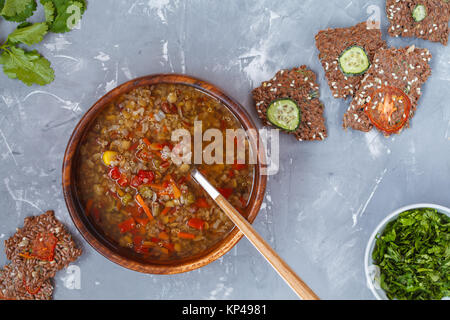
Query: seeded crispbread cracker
x,y
433,28
332,42
12,286
405,68
298,84
35,271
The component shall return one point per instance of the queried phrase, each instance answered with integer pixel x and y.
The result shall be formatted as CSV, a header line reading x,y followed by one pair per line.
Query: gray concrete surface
x,y
319,209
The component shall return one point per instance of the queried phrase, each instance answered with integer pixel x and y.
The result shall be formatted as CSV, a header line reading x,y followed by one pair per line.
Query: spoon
x,y
283,269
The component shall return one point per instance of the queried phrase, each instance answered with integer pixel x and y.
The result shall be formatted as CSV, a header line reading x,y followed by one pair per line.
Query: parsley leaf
x,y
17,10
413,254
29,35
29,67
67,14
49,10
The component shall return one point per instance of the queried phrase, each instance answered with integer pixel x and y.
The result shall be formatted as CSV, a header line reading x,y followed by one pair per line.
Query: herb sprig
x,y
30,66
413,254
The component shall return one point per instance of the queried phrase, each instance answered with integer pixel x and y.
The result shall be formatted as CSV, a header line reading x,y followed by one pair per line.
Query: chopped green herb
x,y
413,254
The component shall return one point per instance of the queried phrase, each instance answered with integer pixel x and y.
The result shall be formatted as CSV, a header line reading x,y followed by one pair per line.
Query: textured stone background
x,y
319,209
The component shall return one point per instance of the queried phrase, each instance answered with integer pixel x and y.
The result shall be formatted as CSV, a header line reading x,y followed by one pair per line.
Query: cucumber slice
x,y
419,13
354,61
284,114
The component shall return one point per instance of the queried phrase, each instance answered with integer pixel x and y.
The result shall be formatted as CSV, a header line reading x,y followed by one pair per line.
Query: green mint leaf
x,y
17,10
29,67
29,35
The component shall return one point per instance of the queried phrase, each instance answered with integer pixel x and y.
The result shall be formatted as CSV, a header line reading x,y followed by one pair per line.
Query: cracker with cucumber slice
x,y
290,102
424,19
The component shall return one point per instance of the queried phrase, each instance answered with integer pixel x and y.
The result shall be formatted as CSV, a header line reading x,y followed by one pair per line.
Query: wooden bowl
x,y
110,249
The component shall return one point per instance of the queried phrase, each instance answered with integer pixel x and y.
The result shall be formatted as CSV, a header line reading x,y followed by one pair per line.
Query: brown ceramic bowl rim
x,y
90,234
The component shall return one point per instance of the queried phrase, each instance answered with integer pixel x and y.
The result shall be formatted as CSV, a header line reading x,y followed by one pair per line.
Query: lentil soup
x,y
133,192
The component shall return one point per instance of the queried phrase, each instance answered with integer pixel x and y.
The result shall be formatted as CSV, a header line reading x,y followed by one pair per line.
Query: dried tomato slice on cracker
x,y
388,109
43,246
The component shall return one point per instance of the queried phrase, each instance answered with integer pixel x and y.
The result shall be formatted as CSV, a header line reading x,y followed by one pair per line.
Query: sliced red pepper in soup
x,y
168,245
142,221
43,246
122,181
146,176
166,210
226,192
137,241
135,211
388,109
135,181
138,245
239,166
202,203
134,146
153,145
196,223
114,173
186,235
127,225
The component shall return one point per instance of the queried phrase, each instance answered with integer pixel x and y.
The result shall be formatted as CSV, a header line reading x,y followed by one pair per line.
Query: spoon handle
x,y
283,269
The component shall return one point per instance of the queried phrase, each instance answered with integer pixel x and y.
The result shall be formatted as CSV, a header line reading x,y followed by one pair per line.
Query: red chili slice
x,y
43,246
380,112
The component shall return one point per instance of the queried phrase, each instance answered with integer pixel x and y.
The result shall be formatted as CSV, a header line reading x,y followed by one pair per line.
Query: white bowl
x,y
372,271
